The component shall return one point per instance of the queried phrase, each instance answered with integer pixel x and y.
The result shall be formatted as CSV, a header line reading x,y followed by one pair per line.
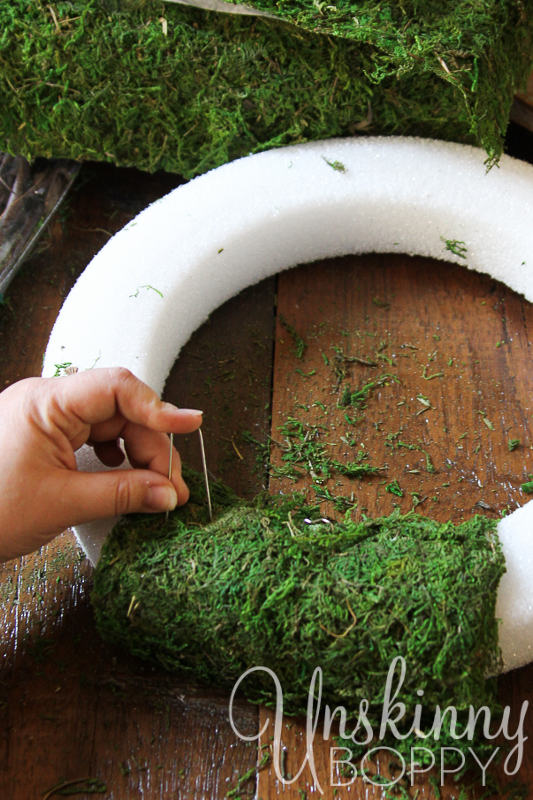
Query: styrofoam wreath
x,y
158,279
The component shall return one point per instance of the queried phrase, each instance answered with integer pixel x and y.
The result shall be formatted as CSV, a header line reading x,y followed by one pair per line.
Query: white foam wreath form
x,y
249,219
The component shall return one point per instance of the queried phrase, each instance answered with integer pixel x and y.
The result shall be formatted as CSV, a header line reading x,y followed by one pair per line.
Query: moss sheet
x,y
101,80
271,584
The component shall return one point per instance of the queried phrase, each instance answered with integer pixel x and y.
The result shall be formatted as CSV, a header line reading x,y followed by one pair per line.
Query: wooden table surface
x,y
73,707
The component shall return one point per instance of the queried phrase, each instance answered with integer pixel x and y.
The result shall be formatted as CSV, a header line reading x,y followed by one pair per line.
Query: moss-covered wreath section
x,y
272,584
193,90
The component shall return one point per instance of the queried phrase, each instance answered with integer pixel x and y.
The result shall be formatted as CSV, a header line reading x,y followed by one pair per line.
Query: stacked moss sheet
x,y
160,85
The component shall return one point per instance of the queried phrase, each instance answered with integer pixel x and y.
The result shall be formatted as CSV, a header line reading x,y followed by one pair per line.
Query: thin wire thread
x,y
170,465
204,464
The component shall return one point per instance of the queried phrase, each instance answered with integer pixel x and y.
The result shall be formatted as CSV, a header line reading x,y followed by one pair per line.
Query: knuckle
x,y
123,497
122,375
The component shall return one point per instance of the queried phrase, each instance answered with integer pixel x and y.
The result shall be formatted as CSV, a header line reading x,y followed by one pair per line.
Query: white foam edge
x,y
249,219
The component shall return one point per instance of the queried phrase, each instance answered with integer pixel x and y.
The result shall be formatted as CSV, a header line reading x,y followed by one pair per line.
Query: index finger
x,y
98,395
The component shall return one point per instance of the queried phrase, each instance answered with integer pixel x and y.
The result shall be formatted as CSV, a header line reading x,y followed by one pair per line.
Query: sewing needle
x,y
170,465
204,463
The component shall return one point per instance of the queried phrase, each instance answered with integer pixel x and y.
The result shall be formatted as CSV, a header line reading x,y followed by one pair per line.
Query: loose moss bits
x,y
394,488
299,345
79,786
381,303
351,404
338,166
304,452
456,247
358,397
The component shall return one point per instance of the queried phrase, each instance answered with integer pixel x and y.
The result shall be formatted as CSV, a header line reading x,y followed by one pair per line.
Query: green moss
x,y
394,488
270,583
300,346
110,85
483,48
455,247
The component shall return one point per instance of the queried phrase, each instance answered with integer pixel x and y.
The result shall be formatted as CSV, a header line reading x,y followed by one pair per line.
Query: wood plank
x,y
226,371
70,706
522,108
457,338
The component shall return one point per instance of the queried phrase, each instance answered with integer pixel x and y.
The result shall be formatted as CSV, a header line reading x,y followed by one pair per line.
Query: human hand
x,y
43,421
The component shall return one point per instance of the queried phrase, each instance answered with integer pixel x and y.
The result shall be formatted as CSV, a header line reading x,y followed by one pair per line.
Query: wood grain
x,y
70,706
226,371
522,108
414,318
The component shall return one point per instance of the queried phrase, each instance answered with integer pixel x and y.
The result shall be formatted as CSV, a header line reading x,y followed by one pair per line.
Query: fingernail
x,y
161,498
193,411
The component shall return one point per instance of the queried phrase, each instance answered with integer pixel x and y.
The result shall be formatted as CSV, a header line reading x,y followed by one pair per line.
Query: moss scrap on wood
x,y
108,81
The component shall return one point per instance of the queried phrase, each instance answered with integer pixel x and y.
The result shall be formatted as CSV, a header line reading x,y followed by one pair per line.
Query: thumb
x,y
97,495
